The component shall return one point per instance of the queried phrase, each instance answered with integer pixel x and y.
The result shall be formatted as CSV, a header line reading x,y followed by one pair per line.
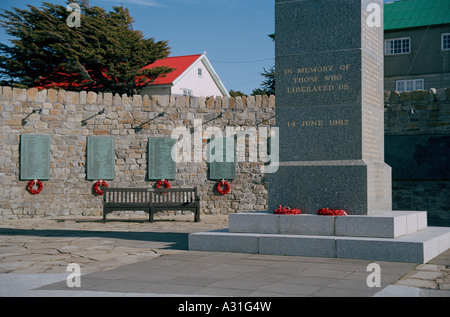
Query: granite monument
x,y
329,110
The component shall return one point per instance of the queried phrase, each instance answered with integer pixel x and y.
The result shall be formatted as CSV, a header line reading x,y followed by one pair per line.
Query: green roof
x,y
416,13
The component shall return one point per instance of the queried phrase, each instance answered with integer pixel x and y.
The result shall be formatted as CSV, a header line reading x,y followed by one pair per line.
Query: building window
x,y
398,46
200,72
187,92
446,42
410,85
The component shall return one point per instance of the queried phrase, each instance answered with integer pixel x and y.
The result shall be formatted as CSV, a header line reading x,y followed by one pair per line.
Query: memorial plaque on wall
x,y
100,158
161,165
224,168
34,157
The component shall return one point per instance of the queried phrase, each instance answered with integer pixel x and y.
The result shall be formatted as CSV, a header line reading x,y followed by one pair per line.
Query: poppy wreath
x,y
97,187
223,187
35,187
331,212
162,182
287,211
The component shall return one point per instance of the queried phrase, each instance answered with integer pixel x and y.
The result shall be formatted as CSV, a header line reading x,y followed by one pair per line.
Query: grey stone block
x,y
422,221
381,227
377,249
295,245
389,225
269,223
254,223
439,236
307,225
418,247
222,241
315,190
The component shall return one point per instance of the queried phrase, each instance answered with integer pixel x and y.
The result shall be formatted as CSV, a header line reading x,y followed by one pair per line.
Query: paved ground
x,y
131,257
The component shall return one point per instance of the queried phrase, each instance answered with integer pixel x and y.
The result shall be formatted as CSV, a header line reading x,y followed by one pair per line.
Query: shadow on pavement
x,y
174,240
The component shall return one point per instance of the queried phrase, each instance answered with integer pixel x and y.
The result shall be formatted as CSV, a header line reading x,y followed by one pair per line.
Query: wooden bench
x,y
150,200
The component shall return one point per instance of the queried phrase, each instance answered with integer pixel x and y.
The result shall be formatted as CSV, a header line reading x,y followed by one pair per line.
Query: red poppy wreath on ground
x,y
287,211
35,187
331,212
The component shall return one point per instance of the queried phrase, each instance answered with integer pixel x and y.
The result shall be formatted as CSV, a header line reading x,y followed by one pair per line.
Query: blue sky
x,y
234,33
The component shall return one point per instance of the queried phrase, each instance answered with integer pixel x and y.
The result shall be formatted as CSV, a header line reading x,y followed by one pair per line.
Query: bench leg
x,y
150,215
197,215
104,216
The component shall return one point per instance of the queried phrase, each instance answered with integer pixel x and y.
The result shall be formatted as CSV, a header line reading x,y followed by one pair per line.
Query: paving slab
x,y
135,258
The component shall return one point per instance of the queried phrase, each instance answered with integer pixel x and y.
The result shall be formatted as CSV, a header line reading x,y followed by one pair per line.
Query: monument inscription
x,y
316,79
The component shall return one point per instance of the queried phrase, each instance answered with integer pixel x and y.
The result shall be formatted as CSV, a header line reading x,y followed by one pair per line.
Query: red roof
x,y
179,63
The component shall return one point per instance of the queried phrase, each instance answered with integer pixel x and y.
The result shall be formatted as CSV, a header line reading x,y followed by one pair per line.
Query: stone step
x,y
389,225
417,247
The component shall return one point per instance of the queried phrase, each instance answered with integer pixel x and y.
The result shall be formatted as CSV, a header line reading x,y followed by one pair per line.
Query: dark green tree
x,y
269,81
258,91
103,54
237,93
268,85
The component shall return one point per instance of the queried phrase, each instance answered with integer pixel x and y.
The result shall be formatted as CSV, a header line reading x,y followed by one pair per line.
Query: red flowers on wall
x,y
98,185
35,187
223,187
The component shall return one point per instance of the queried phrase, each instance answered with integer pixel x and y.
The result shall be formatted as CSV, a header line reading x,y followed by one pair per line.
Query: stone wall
x,y
416,113
69,193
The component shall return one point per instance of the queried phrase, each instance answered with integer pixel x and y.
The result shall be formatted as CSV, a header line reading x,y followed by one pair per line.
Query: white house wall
x,y
201,86
155,91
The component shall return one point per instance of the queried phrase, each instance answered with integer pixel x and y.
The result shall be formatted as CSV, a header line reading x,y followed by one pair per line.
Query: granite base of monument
x,y
360,187
399,236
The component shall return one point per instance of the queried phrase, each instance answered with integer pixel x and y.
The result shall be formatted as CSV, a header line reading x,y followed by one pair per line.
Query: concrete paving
x,y
131,257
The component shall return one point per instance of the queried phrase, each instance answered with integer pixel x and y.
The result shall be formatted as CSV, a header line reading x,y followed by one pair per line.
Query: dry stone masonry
x,y
68,192
70,117
417,136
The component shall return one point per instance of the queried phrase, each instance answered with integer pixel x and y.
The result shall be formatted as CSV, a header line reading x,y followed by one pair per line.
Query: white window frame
x,y
413,83
448,42
188,92
389,50
200,72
